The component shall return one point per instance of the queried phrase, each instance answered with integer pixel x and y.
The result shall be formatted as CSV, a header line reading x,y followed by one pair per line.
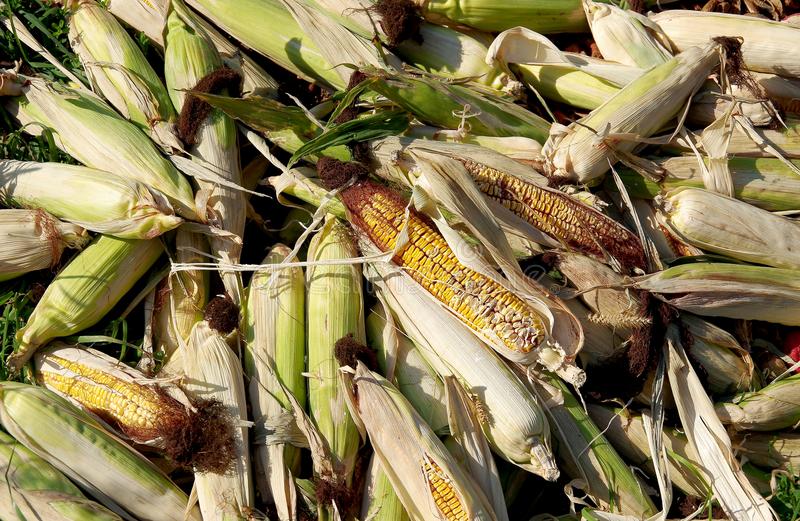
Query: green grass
x,y
787,497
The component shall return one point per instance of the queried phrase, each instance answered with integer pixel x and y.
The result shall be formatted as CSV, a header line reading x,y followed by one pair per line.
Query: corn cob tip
x,y
222,314
195,111
204,440
335,174
400,20
330,490
349,352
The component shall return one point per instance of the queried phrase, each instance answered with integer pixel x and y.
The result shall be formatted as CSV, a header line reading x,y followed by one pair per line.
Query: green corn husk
x,y
214,372
780,450
728,367
118,69
89,130
77,445
274,332
84,291
785,140
380,501
519,148
766,183
627,434
771,408
334,309
590,457
34,240
764,41
32,488
716,223
436,103
642,107
425,476
729,290
98,201
571,86
190,56
187,294
412,374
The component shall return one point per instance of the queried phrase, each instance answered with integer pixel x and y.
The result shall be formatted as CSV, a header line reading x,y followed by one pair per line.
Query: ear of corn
x,y
785,140
77,445
771,408
380,501
429,483
90,131
720,224
766,183
33,488
729,290
99,201
780,450
117,68
514,147
334,309
582,151
764,41
565,85
413,375
84,291
274,331
213,372
544,16
189,57
34,240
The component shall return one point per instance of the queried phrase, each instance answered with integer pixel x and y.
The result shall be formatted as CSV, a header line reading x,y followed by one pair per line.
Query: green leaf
x,y
262,114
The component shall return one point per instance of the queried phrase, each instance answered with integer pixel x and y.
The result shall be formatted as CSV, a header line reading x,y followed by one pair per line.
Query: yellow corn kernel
x,y
559,215
444,495
481,303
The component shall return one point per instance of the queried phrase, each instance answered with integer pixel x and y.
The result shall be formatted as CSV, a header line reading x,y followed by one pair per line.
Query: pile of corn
x,y
502,278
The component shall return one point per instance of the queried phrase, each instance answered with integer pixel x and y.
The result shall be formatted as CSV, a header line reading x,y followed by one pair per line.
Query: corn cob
x,y
117,68
380,502
189,57
582,152
721,224
88,129
766,183
35,489
764,41
414,376
780,450
99,201
516,426
426,478
34,240
100,463
624,36
274,331
213,372
729,290
334,310
771,408
488,308
180,302
193,433
84,291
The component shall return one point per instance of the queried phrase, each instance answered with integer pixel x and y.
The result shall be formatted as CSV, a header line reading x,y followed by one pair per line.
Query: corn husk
x,y
517,428
77,445
414,459
403,363
119,71
274,332
33,488
190,56
780,450
764,41
771,408
786,141
721,224
34,240
729,290
98,201
212,371
380,501
589,456
88,129
582,151
334,310
625,36
766,183
519,148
